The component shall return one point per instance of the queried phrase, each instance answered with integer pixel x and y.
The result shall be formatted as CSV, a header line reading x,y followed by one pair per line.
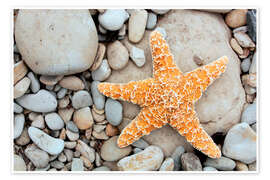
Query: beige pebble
x,y
20,70
98,111
70,145
245,53
241,166
72,82
88,133
111,130
38,122
83,118
98,117
63,134
64,102
236,18
21,87
117,55
86,151
99,57
50,80
86,162
100,135
66,114
236,47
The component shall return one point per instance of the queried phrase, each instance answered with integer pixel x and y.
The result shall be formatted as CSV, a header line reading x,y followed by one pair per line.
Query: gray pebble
x,y
113,111
222,163
140,144
49,87
77,164
35,85
61,93
176,157
245,64
72,127
137,150
98,98
57,87
57,164
39,158
54,121
252,68
103,72
151,21
81,99
208,168
190,162
69,154
18,125
102,168
17,108
249,114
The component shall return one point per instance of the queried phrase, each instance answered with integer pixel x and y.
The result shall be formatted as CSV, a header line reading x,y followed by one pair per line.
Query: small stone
x,y
66,114
70,145
111,152
86,162
24,138
54,121
245,64
249,114
18,125
151,21
35,85
17,108
208,168
113,19
49,87
137,150
83,118
222,163
64,102
61,93
136,25
98,111
86,151
21,87
99,57
240,143
50,80
252,166
39,158
149,159
98,98
62,134
244,40
72,82
137,55
236,18
57,87
81,99
251,24
101,29
72,127
111,165
122,31
167,165
77,164
117,55
98,128
98,117
88,133
241,166
57,164
190,162
176,157
236,47
245,53
240,29
42,101
102,72
113,111
19,164
45,142
68,154
38,122
102,168
160,11
252,68
98,160
198,60
111,130
142,144
43,169
72,136
20,70
100,135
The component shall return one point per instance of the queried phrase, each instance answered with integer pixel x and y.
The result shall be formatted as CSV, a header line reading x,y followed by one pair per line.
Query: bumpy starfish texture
x,y
168,97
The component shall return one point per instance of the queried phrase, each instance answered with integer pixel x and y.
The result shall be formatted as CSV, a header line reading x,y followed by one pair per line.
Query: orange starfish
x,y
168,97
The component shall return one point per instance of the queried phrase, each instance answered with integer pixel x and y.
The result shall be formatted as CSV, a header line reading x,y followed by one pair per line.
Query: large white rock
x,y
56,42
45,142
42,101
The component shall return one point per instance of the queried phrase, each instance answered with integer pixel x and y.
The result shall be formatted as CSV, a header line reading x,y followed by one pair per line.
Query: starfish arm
x,y
163,64
204,76
136,92
187,124
148,119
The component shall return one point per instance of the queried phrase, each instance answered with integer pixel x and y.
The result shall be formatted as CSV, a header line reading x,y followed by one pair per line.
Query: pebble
x,y
54,121
190,162
244,40
101,135
167,165
24,138
35,85
208,168
122,31
137,56
45,142
66,114
57,164
50,88
19,164
83,118
72,82
20,70
86,162
111,152
236,47
21,87
176,157
50,80
151,21
236,18
102,72
18,125
254,127
38,122
72,136
61,93
57,87
17,108
69,154
245,64
101,29
56,48
249,114
77,164
241,166
136,25
72,127
113,19
223,163
149,159
64,102
102,168
251,24
142,144
240,29
250,79
117,55
42,101
113,111
137,150
240,143
39,158
111,130
252,68
62,157
70,145
252,166
98,98
245,53
98,127
81,99
43,169
86,151
160,11
99,57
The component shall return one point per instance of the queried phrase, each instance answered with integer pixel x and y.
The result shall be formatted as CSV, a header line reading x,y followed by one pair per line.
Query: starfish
x,y
168,97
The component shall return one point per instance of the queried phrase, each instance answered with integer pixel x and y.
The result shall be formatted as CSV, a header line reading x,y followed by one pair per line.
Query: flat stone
x,y
42,101
77,164
72,127
111,130
117,55
81,99
45,142
98,98
35,85
249,114
113,111
72,82
57,164
83,118
236,18
222,163
236,47
64,102
17,108
70,145
19,164
103,72
18,125
54,121
20,70
167,165
21,87
190,162
55,47
100,135
137,56
39,158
